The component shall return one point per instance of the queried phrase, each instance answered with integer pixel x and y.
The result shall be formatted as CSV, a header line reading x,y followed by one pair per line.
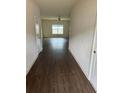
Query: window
x,y
57,29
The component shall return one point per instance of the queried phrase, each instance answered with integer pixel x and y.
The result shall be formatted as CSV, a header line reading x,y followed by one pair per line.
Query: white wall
x,y
82,27
32,12
47,28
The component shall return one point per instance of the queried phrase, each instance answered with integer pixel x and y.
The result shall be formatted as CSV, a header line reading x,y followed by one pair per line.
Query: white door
x,y
93,65
38,35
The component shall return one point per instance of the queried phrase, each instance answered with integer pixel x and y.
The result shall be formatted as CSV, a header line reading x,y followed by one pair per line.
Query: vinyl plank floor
x,y
56,71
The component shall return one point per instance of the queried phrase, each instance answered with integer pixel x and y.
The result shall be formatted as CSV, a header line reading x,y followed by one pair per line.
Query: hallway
x,y
56,71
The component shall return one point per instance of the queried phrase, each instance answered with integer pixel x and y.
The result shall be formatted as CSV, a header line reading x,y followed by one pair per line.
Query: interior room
x,y
61,46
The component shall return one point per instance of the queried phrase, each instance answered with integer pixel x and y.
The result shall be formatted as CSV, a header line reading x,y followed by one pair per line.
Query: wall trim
x,y
32,64
27,71
56,37
81,68
78,63
93,86
55,18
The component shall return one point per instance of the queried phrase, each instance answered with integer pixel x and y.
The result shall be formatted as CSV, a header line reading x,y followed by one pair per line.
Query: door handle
x,y
94,52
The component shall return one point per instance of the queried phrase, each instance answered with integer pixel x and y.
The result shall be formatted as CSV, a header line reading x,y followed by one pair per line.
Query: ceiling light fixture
x,y
59,18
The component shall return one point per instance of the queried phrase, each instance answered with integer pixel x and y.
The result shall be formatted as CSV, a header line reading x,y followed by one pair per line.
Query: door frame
x,y
92,53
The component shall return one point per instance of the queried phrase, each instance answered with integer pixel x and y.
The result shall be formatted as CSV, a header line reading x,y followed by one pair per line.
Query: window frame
x,y
59,29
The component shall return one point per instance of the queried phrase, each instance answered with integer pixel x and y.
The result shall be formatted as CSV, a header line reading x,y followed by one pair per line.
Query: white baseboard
x,y
33,62
78,63
93,86
81,68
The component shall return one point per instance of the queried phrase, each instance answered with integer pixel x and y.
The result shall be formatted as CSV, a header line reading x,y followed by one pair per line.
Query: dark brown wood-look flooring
x,y
56,71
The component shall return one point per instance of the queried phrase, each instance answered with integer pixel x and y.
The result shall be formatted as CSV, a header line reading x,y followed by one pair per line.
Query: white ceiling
x,y
56,7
